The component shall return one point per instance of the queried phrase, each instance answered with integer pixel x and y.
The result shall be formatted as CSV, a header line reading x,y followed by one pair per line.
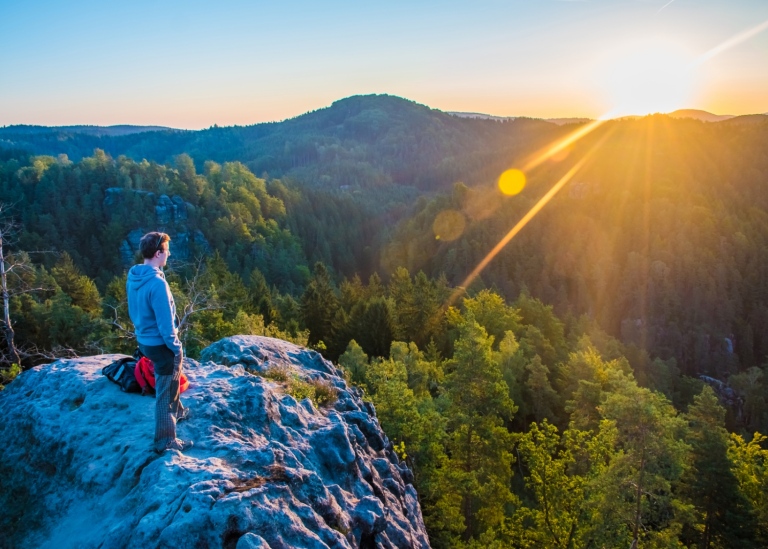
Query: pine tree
x,y
318,305
261,297
750,467
490,311
426,302
542,396
639,503
77,286
372,324
475,482
355,363
723,514
400,290
560,471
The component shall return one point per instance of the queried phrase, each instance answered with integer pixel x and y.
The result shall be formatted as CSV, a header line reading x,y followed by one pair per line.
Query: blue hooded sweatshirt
x,y
151,308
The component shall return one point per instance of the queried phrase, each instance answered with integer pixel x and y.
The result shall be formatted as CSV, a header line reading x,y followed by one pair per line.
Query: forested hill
x,y
360,141
662,237
121,129
557,400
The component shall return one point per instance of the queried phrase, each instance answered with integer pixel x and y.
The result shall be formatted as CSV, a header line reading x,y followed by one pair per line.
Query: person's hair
x,y
151,243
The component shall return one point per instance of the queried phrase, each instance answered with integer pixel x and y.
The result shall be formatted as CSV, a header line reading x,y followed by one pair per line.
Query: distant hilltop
x,y
128,129
695,114
100,131
705,116
298,147
481,116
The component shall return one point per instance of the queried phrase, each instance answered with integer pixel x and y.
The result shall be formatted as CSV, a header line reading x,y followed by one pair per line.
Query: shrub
x,y
8,375
322,393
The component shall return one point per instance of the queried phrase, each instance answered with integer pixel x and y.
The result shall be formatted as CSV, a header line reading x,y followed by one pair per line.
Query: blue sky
x,y
193,64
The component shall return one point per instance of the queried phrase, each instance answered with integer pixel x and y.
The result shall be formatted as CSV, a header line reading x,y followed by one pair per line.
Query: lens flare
x,y
461,289
733,41
481,203
449,225
512,182
561,155
564,144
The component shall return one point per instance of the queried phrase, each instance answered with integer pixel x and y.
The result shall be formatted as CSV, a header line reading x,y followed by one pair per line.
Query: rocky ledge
x,y
286,456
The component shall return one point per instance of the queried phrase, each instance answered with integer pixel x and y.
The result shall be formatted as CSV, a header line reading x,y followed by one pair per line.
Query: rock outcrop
x,y
171,216
267,470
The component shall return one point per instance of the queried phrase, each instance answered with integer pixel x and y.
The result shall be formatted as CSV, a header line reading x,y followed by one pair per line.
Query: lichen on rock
x,y
267,470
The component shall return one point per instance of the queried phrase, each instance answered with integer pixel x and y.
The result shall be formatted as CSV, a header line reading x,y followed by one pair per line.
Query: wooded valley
x,y
602,381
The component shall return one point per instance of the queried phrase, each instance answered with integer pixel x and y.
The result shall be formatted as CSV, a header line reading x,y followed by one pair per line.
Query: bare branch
x,y
52,252
35,353
28,290
198,298
126,333
10,264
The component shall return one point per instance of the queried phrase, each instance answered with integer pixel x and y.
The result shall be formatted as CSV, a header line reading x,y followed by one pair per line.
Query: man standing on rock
x,y
153,313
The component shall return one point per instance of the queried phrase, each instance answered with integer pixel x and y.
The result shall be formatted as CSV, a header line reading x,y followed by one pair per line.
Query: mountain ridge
x,y
88,129
356,143
374,138
698,114
129,129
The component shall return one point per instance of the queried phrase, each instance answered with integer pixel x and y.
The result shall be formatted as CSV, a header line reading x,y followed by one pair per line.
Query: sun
x,y
647,77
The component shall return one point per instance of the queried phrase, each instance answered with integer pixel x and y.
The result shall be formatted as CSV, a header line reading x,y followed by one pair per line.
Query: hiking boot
x,y
186,445
184,415
178,444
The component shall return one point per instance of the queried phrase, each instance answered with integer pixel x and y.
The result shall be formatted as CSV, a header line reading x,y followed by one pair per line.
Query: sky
x,y
192,64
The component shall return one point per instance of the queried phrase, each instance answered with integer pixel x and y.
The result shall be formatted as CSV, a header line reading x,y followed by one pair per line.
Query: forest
x,y
599,384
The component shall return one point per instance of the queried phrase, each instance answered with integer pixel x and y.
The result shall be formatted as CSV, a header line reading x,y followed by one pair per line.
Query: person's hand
x,y
177,360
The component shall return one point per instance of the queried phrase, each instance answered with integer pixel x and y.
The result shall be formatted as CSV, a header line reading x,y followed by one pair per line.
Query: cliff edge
x,y
268,470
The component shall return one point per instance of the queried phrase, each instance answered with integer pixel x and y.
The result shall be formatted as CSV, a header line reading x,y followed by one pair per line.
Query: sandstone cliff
x,y
77,470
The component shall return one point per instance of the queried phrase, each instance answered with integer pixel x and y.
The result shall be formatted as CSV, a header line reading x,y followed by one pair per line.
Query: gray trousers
x,y
167,408
167,404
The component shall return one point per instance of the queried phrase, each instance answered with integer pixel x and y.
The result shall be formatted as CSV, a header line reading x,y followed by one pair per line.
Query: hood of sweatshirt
x,y
139,275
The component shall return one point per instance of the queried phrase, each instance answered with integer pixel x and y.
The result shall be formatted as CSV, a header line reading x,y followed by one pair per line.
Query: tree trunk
x,y
14,355
467,503
638,510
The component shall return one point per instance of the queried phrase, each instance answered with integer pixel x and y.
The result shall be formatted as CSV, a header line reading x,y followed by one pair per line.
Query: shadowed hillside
x,y
360,141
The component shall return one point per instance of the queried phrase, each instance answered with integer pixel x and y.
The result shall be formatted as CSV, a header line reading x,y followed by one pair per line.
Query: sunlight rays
x,y
461,288
553,152
731,42
515,179
562,145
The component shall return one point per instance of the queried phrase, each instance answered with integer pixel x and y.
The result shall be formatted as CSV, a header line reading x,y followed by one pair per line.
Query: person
x,y
153,313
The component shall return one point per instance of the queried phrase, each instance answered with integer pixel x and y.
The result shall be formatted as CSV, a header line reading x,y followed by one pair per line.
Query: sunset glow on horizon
x,y
647,78
193,65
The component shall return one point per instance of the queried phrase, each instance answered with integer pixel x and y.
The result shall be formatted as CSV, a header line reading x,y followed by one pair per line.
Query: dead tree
x,y
13,265
194,295
8,230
